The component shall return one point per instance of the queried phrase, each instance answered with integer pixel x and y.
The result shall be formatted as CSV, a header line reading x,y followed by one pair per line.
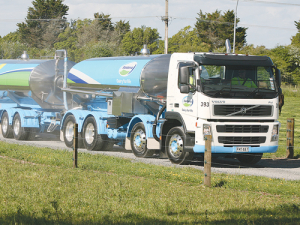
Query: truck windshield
x,y
237,82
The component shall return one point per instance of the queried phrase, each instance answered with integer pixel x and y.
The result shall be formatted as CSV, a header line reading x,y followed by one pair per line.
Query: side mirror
x,y
184,75
278,77
185,89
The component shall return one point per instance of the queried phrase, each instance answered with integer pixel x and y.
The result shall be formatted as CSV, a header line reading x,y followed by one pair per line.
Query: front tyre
x,y
175,147
5,127
249,158
138,141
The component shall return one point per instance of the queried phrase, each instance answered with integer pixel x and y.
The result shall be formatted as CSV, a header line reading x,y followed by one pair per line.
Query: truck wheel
x,y
91,139
139,142
68,132
175,147
5,128
19,132
250,158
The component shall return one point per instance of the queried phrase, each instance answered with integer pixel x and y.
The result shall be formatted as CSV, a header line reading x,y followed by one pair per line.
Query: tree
x,y
296,39
133,41
122,27
187,40
104,21
44,22
68,40
214,28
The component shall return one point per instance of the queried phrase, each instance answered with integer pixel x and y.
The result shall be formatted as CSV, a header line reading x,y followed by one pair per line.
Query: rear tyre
x,y
68,132
91,139
175,147
5,127
138,141
249,158
19,132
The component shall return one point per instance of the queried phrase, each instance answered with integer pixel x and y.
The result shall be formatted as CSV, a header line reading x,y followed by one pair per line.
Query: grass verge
x,y
39,186
289,110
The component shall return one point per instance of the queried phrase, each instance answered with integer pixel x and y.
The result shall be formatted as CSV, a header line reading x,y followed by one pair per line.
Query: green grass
x,y
39,186
291,109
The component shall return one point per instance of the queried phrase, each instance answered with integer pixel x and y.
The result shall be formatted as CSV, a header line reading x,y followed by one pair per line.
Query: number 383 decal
x,y
204,104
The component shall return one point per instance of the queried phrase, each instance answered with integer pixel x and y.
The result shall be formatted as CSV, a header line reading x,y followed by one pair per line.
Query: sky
x,y
270,22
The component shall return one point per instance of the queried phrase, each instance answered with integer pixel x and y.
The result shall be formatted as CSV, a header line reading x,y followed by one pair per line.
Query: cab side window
x,y
192,77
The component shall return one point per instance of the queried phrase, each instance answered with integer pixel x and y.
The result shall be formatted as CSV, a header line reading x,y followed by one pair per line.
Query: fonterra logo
x,y
187,102
125,70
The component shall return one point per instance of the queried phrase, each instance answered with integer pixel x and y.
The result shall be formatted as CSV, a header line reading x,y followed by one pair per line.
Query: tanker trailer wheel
x,y
249,158
139,142
5,128
175,147
91,139
19,132
68,132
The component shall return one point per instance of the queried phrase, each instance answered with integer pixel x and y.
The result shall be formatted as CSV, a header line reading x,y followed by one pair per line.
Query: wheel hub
x,y
17,126
89,133
4,124
69,131
176,146
140,140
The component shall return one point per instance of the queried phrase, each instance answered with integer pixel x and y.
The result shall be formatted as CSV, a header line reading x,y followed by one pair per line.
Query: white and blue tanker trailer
x,y
30,95
163,104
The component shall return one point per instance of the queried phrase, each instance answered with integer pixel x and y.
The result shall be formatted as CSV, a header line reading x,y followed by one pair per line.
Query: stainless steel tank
x,y
154,77
46,81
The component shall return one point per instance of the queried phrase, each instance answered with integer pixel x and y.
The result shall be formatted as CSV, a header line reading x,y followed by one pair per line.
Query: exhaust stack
x,y
228,46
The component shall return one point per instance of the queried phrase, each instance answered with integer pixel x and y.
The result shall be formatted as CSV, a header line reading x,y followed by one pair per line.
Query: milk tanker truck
x,y
150,104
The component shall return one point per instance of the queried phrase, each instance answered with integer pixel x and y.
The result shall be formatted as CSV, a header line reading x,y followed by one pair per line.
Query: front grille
x,y
241,140
242,129
242,110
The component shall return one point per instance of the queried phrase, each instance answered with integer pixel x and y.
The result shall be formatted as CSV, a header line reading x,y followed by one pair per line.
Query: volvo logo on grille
x,y
243,110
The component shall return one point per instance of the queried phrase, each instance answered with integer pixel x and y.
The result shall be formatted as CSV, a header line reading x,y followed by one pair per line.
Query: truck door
x,y
184,94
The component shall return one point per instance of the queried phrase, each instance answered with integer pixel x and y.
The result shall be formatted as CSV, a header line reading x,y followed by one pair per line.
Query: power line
x,y
240,24
280,3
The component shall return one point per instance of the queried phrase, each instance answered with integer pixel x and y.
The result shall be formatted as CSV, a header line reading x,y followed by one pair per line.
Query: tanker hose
x,y
155,122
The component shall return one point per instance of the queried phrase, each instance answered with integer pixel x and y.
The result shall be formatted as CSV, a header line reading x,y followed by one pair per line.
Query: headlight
x,y
206,130
275,133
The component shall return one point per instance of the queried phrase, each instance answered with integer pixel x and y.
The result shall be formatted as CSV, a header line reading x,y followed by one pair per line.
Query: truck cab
x,y
232,97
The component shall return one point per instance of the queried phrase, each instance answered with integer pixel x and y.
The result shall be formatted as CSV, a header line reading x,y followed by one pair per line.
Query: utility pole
x,y
166,19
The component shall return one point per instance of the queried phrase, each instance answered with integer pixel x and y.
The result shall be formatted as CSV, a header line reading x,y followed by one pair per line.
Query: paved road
x,y
288,169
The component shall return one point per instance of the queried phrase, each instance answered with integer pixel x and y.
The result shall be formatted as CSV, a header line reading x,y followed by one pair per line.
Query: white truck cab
x,y
232,97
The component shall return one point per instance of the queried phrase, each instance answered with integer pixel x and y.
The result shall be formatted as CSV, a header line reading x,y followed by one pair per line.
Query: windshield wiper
x,y
228,90
254,92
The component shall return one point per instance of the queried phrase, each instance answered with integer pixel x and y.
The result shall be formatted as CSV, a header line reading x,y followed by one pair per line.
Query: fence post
x,y
75,145
290,138
207,161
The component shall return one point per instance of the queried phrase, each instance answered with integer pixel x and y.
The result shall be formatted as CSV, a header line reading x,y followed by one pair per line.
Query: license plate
x,y
242,149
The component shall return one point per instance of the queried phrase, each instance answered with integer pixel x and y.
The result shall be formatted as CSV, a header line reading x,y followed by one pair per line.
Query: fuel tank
x,y
148,73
